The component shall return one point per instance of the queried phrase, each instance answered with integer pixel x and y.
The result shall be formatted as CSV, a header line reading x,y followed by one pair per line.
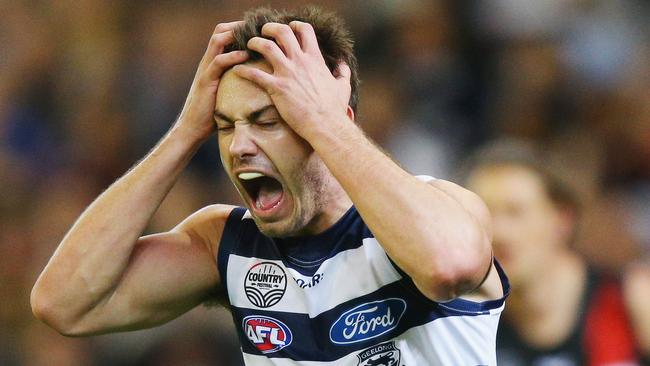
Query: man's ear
x,y
350,113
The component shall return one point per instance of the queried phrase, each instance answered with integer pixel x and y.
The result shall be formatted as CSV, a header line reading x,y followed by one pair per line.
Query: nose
x,y
242,143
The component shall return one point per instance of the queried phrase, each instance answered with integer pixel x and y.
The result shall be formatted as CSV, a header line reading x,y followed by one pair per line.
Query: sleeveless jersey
x,y
601,336
336,298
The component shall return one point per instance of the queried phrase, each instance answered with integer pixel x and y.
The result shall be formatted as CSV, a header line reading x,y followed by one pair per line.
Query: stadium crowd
x,y
87,87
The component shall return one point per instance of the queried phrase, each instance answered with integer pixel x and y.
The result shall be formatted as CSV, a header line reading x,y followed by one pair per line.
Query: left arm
x,y
437,233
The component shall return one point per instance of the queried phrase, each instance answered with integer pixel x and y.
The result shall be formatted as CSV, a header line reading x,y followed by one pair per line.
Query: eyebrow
x,y
252,116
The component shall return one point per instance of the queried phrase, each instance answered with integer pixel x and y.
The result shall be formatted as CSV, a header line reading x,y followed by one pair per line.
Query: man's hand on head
x,y
197,114
301,86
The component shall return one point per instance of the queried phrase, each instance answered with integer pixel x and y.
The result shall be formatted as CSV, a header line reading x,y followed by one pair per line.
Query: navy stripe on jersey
x,y
471,306
229,240
252,243
463,306
311,336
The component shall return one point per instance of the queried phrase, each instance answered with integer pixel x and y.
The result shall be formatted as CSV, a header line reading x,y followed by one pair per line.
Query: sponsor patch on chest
x,y
367,321
265,284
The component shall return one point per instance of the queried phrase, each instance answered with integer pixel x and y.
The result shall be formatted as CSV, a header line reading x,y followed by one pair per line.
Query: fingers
x,y
306,36
288,42
343,72
283,36
255,75
222,62
270,50
217,43
222,36
343,75
224,27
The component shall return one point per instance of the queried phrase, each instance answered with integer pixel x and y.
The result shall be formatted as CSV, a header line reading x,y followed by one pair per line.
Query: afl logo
x,y
267,334
265,284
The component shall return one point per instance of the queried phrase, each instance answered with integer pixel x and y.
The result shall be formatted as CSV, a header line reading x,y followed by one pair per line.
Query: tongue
x,y
269,195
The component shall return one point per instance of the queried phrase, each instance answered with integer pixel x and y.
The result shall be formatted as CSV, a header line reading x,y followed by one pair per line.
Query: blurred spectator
x,y
560,311
637,296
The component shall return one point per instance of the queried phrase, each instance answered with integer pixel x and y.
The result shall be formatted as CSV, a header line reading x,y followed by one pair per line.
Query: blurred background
x,y
87,87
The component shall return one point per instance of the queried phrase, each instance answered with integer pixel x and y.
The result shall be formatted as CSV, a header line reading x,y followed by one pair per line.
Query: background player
x,y
561,311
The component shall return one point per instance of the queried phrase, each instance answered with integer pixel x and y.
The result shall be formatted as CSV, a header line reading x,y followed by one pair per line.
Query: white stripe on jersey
x,y
347,275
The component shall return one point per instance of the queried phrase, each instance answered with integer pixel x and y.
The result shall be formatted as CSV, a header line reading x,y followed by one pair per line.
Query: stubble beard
x,y
307,205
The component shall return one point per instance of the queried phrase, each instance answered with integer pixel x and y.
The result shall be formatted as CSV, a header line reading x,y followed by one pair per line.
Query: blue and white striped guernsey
x,y
337,299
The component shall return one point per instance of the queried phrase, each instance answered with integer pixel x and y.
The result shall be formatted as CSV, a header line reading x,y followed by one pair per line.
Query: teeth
x,y
249,176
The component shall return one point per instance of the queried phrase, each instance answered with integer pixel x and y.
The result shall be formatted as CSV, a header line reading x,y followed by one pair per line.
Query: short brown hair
x,y
528,155
333,37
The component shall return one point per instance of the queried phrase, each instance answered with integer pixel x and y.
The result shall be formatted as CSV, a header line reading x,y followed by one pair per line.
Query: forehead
x,y
507,182
237,97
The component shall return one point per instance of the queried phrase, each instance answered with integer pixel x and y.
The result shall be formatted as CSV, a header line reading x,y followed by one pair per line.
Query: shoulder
x,y
469,200
636,286
207,225
636,292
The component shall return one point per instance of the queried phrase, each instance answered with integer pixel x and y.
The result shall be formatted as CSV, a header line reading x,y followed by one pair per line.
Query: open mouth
x,y
265,192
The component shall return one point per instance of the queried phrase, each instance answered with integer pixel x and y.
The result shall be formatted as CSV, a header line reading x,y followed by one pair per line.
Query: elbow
x,y
46,310
463,258
449,277
446,286
40,304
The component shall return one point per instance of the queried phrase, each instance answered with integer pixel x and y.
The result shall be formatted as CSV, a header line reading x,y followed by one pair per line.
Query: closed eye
x,y
224,126
267,124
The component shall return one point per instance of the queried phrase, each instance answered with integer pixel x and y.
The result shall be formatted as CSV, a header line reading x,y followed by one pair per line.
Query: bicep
x,y
168,274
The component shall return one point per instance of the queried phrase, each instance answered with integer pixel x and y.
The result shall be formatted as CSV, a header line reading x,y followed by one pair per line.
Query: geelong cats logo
x,y
265,284
267,334
384,354
367,321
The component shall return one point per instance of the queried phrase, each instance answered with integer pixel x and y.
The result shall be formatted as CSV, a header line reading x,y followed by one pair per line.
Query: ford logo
x,y
367,321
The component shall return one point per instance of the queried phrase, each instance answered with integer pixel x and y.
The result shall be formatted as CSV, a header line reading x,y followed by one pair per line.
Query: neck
x,y
335,203
562,279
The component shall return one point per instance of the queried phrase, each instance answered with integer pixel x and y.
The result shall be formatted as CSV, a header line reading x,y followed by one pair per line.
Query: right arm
x,y
104,277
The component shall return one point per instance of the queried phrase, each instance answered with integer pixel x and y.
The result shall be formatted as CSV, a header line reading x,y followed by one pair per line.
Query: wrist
x,y
192,135
324,130
340,135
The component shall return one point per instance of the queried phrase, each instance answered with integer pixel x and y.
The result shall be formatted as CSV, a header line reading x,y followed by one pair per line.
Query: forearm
x,y
94,254
427,232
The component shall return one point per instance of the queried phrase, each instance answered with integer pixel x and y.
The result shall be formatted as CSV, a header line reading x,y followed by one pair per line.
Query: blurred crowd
x,y
87,87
